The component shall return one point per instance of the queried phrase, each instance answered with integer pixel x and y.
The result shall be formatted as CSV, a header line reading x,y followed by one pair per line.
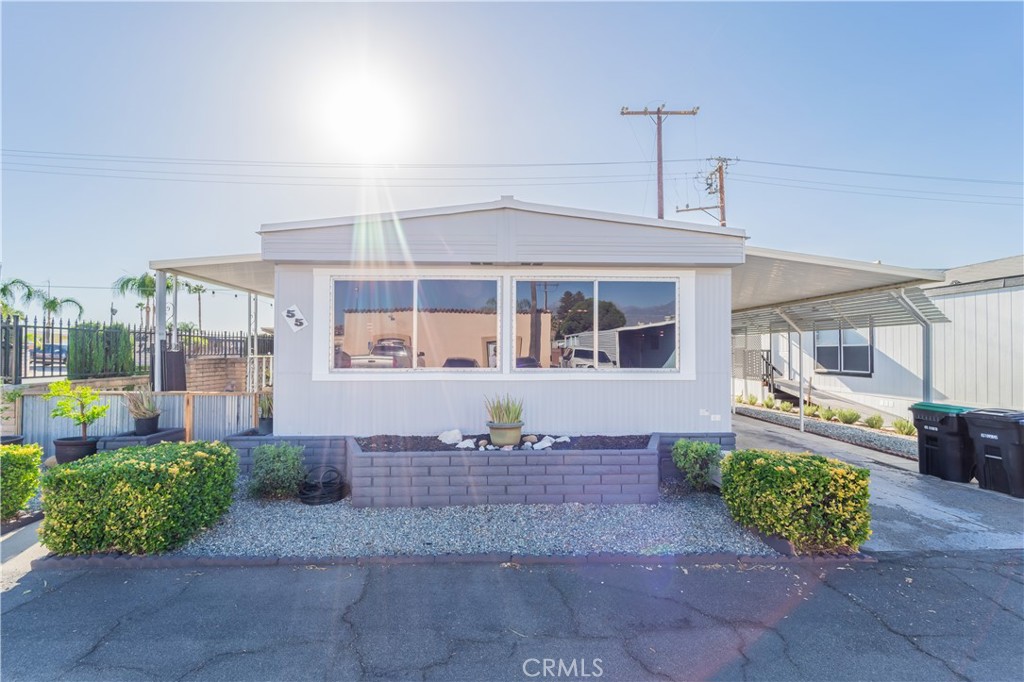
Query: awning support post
x,y
927,389
800,363
174,316
160,316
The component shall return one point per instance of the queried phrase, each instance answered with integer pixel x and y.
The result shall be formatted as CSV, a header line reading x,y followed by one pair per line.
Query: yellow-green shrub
x,y
19,476
818,503
137,500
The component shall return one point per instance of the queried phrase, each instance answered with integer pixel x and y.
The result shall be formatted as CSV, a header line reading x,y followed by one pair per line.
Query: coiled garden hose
x,y
323,485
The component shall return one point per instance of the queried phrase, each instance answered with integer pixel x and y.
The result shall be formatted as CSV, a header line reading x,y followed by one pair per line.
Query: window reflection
x,y
372,324
457,324
635,321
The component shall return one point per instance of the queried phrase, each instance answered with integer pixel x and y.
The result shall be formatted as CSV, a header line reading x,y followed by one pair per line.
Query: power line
x,y
901,189
877,194
313,164
894,175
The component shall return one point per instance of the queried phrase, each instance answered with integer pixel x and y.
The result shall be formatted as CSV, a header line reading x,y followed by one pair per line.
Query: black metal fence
x,y
58,348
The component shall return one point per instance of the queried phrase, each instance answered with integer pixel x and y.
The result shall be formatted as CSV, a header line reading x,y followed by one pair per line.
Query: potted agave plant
x,y
266,423
142,407
505,420
79,405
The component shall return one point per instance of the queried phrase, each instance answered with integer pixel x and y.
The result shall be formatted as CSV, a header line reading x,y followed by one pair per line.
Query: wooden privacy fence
x,y
204,416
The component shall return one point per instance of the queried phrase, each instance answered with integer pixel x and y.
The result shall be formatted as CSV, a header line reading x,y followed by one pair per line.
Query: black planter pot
x,y
147,426
11,440
69,449
266,426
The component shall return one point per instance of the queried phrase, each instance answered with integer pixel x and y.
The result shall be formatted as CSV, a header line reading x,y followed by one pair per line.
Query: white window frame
x,y
595,280
322,325
842,371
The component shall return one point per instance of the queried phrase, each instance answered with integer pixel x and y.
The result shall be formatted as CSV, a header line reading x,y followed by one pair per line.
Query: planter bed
x,y
319,450
472,477
894,444
123,440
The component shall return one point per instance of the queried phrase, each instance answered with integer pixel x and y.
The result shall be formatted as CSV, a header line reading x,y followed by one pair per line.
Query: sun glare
x,y
366,118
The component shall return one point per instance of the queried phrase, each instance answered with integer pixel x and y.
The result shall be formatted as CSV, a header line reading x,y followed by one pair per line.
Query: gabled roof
x,y
505,202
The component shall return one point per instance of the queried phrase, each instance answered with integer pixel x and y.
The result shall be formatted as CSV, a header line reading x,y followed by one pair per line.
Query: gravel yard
x,y
681,523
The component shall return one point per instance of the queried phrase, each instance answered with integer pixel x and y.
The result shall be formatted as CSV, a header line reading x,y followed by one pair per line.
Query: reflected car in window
x,y
527,363
577,357
460,362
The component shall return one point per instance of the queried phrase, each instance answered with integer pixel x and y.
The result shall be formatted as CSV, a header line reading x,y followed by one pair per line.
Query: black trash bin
x,y
998,437
943,446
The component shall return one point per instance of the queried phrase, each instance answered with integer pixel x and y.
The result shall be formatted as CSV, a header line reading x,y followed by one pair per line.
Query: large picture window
x,y
843,351
635,323
424,323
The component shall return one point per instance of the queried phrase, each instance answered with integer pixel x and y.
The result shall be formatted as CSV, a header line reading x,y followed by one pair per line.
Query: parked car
x,y
50,354
527,362
460,362
577,357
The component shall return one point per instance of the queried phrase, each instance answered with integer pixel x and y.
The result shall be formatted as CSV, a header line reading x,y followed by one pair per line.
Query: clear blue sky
x,y
902,89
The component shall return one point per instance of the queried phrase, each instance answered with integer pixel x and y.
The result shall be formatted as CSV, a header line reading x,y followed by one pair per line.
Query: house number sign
x,y
294,317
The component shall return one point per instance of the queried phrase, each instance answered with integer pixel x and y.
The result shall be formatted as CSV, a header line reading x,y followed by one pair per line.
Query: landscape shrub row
x,y
846,416
138,499
818,503
19,476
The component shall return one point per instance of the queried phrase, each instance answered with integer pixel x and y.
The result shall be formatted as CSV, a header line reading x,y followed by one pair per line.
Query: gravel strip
x,y
681,523
904,446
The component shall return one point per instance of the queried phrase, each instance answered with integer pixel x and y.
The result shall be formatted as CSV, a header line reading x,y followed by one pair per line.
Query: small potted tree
x,y
266,423
142,407
79,405
505,420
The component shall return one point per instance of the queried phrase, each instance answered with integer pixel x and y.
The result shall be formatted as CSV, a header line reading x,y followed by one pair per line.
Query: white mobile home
x,y
462,297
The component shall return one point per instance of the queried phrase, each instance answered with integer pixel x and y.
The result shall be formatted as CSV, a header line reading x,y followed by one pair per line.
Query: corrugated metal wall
x,y
214,417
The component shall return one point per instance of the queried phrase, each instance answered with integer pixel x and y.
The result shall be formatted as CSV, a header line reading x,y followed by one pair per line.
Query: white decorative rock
x,y
466,444
506,448
545,442
562,439
491,447
527,445
451,437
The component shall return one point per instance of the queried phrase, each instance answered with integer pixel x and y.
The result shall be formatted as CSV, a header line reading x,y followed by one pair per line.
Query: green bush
x,y
769,402
904,427
19,476
694,458
826,413
818,504
752,399
138,499
786,406
848,416
277,471
810,410
875,421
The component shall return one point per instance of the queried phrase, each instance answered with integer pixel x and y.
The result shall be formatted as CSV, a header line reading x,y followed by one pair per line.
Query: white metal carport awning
x,y
246,272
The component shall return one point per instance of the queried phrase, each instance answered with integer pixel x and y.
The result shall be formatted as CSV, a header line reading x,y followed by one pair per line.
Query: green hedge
x,y
138,499
19,476
97,351
695,459
819,504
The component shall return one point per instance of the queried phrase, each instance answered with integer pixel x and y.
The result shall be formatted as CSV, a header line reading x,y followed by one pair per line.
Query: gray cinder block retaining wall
x,y
422,479
320,450
667,468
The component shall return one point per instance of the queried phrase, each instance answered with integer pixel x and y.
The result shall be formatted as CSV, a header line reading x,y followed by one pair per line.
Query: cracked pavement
x,y
928,616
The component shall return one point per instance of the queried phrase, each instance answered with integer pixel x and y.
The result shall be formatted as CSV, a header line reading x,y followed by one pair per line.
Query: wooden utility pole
x,y
715,183
659,115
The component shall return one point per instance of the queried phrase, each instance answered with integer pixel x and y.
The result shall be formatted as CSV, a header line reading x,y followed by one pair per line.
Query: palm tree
x,y
143,286
11,290
197,289
141,306
53,305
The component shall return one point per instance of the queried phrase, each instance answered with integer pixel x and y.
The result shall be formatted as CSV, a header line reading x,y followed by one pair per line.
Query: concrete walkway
x,y
909,512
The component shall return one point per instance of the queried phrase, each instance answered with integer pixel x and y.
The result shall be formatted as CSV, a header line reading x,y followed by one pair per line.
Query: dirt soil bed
x,y
384,443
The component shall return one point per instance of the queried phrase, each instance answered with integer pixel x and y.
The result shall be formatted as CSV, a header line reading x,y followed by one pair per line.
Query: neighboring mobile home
x,y
978,356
